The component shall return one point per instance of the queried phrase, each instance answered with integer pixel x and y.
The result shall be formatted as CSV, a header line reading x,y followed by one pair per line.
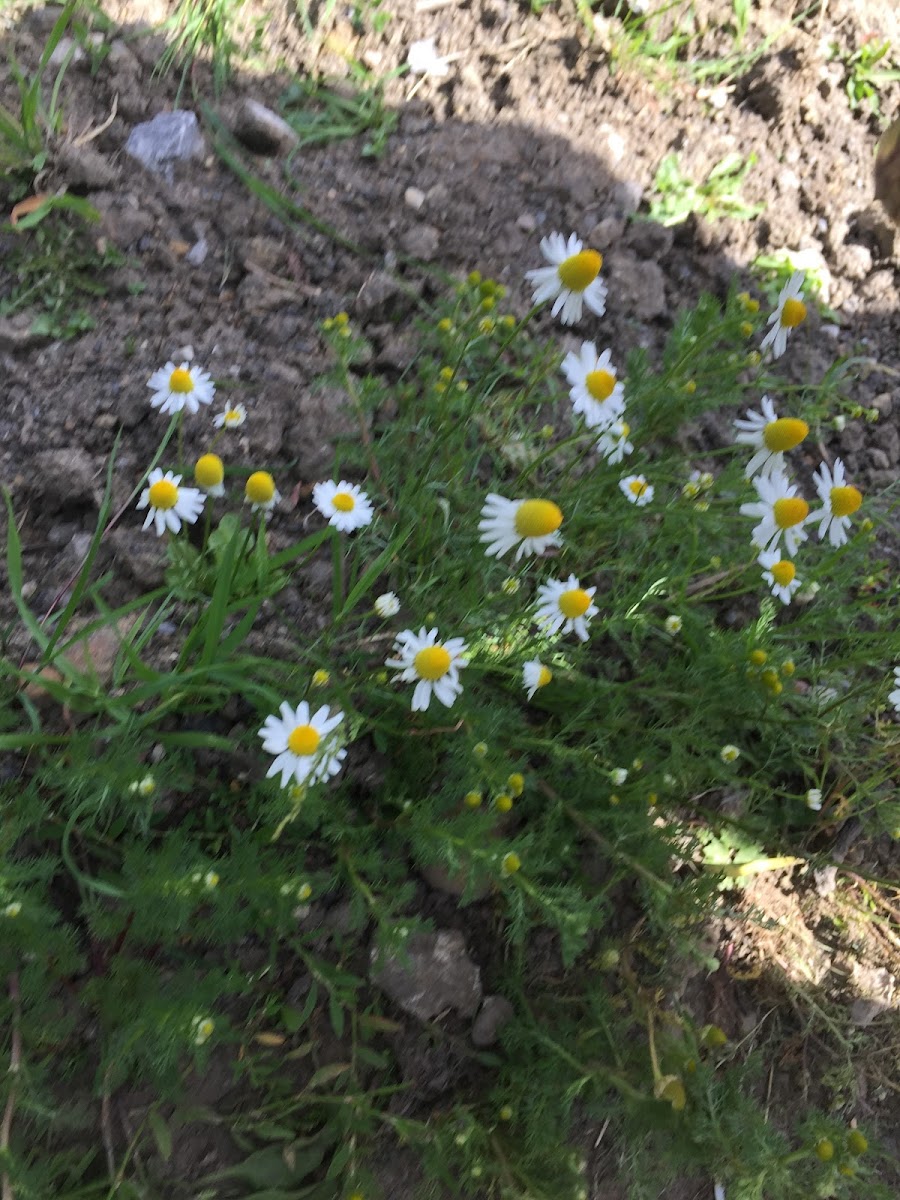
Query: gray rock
x,y
626,197
170,137
495,1012
143,557
379,296
639,287
196,256
435,974
852,438
262,130
879,459
123,220
889,441
421,241
65,478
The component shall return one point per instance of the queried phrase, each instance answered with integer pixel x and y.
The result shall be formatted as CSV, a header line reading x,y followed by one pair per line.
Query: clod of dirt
x,y
495,1012
16,333
639,286
64,479
422,241
84,168
380,297
169,137
433,975
94,656
262,130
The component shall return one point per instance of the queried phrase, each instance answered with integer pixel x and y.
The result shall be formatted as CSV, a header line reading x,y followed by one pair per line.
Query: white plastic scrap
x,y
423,59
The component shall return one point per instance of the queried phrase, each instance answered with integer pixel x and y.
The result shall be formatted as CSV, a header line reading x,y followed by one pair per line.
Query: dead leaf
x,y
24,207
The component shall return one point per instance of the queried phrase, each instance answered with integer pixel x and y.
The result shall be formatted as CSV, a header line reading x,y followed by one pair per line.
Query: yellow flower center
x,y
785,433
624,430
580,270
790,510
260,487
600,384
537,518
180,381
783,572
845,500
163,494
343,502
432,662
233,416
793,313
304,740
637,487
574,603
544,677
209,471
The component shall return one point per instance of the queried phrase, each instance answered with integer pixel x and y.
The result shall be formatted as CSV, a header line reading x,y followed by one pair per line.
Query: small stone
x,y
421,242
526,222
65,51
262,130
434,974
414,197
639,286
884,403
196,256
495,1012
606,233
879,459
65,478
380,296
124,221
889,438
169,137
626,197
120,57
852,438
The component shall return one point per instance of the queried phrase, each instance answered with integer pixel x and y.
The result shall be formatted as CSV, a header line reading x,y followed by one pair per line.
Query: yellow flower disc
x,y
304,740
580,270
793,313
783,572
432,662
789,511
163,494
637,487
209,470
544,677
600,384
343,502
181,381
260,487
845,500
537,518
785,433
574,603
758,657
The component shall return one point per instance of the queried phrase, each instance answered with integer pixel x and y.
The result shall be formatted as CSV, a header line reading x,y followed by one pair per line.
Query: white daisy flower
x,y
261,493
304,751
231,418
175,388
595,391
814,799
532,525
840,500
432,665
387,605
169,503
673,624
894,696
636,489
618,775
771,435
209,474
614,444
345,505
729,753
780,574
571,281
565,606
535,675
789,313
202,1029
12,909
698,482
780,511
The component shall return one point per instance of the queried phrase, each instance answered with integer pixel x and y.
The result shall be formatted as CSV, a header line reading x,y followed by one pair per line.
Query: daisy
x,y
614,444
434,666
535,675
169,504
780,574
770,435
209,473
636,489
673,624
231,418
565,606
729,753
387,605
789,313
571,281
814,799
175,388
840,500
780,511
894,696
304,751
532,525
261,493
346,507
202,1029
595,390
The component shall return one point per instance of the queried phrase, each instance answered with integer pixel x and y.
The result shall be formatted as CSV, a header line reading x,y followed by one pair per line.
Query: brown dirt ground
x,y
534,130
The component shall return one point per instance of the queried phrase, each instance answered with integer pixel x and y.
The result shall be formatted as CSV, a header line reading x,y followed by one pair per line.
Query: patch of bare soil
x,y
535,129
